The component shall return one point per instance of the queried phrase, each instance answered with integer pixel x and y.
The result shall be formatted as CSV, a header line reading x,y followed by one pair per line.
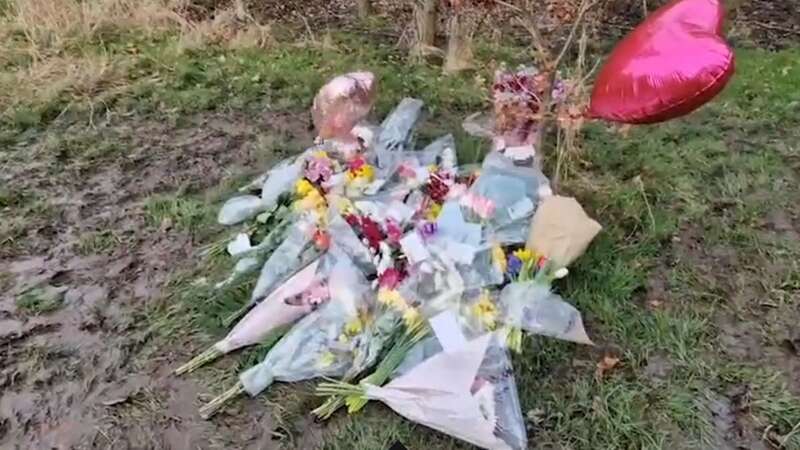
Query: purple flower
x,y
514,266
428,229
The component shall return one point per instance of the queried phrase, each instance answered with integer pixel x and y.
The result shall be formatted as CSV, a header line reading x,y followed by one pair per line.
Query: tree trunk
x,y
460,30
425,17
424,37
364,8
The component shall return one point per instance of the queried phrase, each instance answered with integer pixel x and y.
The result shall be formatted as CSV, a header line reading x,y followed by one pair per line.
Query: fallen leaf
x,y
654,304
606,364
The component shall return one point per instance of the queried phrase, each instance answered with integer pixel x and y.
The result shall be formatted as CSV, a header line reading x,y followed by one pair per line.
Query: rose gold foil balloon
x,y
670,65
342,103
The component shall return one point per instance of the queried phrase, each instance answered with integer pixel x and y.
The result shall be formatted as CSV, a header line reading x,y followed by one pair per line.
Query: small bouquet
x,y
321,344
302,293
463,388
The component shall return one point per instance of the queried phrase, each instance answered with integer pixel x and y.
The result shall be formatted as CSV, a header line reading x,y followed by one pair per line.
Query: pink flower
x,y
482,206
356,163
393,232
485,208
390,278
319,170
406,171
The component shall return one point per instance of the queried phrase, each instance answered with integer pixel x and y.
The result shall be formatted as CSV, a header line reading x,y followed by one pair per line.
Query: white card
x,y
414,248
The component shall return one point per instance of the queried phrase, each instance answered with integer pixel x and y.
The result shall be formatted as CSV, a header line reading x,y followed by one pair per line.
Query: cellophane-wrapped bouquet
x,y
397,275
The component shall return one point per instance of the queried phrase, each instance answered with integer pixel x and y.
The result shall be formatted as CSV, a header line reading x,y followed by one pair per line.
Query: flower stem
x,y
211,354
214,406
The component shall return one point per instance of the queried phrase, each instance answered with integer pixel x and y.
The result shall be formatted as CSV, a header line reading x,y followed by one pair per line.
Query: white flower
x,y
561,273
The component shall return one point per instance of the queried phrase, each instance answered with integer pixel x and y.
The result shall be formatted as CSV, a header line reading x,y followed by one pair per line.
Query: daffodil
x,y
353,327
486,311
499,258
392,299
525,255
303,187
411,317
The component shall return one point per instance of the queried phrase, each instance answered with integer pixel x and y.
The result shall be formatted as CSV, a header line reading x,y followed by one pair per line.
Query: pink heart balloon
x,y
670,65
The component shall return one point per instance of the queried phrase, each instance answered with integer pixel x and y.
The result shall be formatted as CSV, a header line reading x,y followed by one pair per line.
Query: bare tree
x,y
364,8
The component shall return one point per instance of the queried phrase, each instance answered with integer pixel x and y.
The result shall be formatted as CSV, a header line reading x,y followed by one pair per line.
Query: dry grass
x,y
53,48
231,28
52,26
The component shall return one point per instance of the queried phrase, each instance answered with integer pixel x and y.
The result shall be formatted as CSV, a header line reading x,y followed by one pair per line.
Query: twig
x,y
585,6
308,27
770,26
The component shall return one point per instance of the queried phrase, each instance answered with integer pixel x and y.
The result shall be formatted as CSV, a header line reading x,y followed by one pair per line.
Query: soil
x,y
75,378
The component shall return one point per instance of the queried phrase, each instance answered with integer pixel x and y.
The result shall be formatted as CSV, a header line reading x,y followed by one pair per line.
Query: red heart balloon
x,y
670,65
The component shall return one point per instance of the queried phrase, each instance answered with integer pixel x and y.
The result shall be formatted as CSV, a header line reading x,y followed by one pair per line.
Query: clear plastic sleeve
x,y
314,347
531,306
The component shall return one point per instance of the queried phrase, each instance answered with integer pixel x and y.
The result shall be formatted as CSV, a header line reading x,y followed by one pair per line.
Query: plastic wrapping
x,y
481,272
505,193
314,347
277,309
239,209
342,103
427,388
397,131
280,180
344,240
532,307
284,260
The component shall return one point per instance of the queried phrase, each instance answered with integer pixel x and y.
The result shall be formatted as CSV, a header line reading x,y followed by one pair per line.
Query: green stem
x,y
211,354
214,406
331,405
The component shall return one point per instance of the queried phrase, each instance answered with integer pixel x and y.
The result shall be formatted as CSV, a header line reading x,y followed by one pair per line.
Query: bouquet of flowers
x,y
399,276
321,344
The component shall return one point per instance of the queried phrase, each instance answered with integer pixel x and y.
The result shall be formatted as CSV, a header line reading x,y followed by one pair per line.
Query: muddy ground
x,y
74,378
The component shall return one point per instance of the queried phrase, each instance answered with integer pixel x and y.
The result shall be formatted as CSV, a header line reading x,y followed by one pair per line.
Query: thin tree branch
x,y
585,6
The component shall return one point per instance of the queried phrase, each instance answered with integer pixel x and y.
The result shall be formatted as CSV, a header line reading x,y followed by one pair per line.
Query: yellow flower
x,y
486,311
411,317
303,187
326,359
392,299
514,339
366,171
434,211
343,338
353,327
499,258
321,154
524,255
312,200
433,168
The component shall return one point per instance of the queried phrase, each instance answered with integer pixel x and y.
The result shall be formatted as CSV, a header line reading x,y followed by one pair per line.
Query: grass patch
x,y
41,300
98,242
186,214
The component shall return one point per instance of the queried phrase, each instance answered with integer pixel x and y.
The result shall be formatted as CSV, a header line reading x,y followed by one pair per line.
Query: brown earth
x,y
77,378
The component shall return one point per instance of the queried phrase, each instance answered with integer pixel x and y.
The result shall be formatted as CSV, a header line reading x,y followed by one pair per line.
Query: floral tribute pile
x,y
393,274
